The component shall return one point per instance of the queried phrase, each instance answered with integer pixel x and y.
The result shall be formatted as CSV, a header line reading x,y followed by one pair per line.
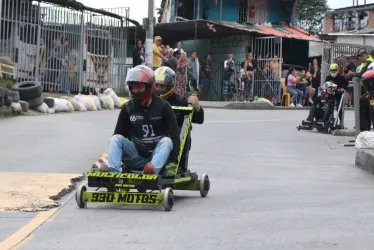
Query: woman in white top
x,y
292,80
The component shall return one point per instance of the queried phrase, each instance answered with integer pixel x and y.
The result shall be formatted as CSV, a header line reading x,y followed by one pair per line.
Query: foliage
x,y
310,15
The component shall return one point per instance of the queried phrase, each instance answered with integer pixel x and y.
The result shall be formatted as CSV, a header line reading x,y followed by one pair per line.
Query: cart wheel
x,y
79,196
329,130
298,128
204,185
168,199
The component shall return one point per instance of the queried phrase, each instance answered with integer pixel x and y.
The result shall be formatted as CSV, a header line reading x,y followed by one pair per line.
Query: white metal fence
x,y
266,83
66,48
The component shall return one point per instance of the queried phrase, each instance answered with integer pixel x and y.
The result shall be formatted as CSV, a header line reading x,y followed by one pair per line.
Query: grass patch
x,y
122,93
7,112
6,83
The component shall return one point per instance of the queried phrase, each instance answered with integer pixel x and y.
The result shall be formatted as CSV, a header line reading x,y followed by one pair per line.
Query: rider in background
x,y
341,83
165,86
365,61
146,134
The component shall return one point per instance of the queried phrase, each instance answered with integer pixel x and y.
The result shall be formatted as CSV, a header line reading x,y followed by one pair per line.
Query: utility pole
x,y
149,24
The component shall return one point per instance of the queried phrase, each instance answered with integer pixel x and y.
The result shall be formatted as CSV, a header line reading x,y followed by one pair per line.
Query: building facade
x,y
263,28
351,25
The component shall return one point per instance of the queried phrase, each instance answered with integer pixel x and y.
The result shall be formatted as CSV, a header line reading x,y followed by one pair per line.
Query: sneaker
x,y
170,170
104,168
310,101
292,105
299,105
149,168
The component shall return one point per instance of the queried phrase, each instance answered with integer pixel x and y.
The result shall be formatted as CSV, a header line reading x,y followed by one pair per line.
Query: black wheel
x,y
79,196
298,128
49,101
28,90
168,199
204,185
14,95
36,102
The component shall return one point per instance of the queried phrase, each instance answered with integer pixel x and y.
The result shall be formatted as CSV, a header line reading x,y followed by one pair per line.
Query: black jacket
x,y
136,60
339,80
324,103
146,126
178,100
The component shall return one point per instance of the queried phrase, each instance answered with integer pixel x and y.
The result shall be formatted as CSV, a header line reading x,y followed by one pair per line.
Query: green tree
x,y
310,15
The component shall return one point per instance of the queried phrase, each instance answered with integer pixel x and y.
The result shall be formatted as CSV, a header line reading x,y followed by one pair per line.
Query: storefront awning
x,y
204,29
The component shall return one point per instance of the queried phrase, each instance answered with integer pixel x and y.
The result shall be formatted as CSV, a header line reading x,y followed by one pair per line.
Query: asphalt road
x,y
272,187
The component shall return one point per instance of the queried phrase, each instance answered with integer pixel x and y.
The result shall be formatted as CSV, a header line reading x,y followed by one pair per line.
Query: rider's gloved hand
x,y
171,169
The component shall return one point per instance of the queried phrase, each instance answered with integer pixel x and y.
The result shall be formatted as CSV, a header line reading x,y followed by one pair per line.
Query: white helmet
x,y
330,87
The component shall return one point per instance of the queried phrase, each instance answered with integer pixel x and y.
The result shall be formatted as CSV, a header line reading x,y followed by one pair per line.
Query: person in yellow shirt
x,y
157,53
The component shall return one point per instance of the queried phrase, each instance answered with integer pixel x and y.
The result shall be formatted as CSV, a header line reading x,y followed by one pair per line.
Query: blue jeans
x,y
64,80
121,148
295,93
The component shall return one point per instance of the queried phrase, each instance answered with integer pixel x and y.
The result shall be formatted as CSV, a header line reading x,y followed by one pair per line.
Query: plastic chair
x,y
285,95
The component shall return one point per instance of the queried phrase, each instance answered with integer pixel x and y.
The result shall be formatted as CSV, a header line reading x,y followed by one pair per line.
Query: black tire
x,y
24,105
2,90
28,90
6,93
14,95
49,101
36,102
1,101
8,101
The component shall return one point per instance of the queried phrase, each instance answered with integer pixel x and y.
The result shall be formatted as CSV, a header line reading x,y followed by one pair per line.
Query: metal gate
x,y
67,49
326,60
267,52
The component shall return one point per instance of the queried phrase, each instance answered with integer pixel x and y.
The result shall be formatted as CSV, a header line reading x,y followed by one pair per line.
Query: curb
x,y
250,106
343,132
365,160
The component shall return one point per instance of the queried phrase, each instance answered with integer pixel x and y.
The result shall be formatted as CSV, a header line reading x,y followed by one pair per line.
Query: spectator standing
x,y
250,70
228,75
316,76
206,76
182,67
142,55
309,88
193,75
349,67
136,54
179,47
170,61
157,53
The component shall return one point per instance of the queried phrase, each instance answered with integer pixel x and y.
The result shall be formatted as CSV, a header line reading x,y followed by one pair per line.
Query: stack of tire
x,y
7,97
30,94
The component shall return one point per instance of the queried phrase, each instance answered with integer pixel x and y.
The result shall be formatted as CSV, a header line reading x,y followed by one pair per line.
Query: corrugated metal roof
x,y
275,30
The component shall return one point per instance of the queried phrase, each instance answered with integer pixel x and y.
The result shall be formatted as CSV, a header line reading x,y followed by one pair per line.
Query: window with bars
x,y
252,12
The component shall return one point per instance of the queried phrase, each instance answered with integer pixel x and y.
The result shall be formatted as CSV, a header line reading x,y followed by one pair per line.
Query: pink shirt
x,y
289,81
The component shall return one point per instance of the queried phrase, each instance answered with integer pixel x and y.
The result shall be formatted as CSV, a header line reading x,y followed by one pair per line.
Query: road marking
x,y
24,242
249,121
13,241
